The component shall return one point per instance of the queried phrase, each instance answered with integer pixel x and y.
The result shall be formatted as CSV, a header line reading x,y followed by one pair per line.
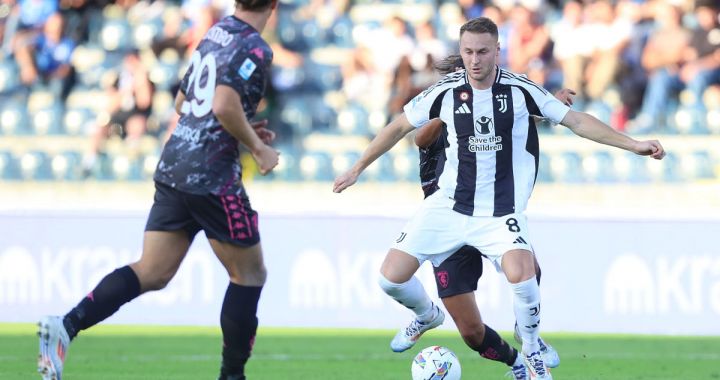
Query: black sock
x,y
113,291
238,320
493,347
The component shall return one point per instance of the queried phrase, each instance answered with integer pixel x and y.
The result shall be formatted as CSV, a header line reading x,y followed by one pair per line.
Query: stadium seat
x,y
665,170
35,165
316,166
322,78
116,35
145,33
78,120
406,166
340,34
696,165
48,120
164,74
126,168
343,161
598,167
689,121
566,167
630,168
353,120
382,170
713,121
294,113
67,166
544,174
14,119
9,168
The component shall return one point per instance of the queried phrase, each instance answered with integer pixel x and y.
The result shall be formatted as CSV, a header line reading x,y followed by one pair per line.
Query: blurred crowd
x,y
110,69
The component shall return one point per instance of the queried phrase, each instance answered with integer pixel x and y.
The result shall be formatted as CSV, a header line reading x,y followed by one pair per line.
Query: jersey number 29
x,y
202,95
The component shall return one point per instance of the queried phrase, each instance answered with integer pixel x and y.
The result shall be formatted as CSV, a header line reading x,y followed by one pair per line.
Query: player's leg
x,y
238,317
505,241
456,280
549,354
398,281
434,229
162,254
231,226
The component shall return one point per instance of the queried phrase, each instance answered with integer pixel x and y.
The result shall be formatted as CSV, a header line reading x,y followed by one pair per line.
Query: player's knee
x,y
252,275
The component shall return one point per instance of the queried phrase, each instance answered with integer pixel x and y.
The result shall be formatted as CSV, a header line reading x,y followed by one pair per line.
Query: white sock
x,y
526,302
410,294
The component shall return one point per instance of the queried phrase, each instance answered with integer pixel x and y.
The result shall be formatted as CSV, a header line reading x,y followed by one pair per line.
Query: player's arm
x,y
179,100
227,108
386,139
587,126
428,133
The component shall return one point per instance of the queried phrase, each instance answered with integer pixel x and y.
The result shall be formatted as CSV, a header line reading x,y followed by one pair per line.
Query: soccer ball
x,y
436,363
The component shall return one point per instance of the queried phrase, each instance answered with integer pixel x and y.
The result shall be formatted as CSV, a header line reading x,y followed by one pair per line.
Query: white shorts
x,y
436,231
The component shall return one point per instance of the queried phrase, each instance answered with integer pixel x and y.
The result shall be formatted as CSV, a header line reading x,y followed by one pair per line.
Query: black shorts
x,y
459,273
227,218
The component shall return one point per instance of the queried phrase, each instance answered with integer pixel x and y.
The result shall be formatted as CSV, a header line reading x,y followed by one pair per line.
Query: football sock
x,y
493,347
526,303
410,294
113,291
238,321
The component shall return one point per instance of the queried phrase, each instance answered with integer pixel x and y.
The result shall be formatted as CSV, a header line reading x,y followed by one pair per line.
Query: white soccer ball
x,y
436,363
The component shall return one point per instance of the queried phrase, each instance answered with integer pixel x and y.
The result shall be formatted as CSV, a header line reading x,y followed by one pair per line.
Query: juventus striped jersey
x,y
492,150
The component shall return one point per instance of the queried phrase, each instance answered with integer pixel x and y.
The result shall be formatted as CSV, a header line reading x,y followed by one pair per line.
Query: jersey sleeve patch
x,y
247,68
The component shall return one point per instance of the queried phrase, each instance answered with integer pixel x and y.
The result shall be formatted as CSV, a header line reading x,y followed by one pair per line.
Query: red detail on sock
x,y
61,351
91,296
490,353
252,342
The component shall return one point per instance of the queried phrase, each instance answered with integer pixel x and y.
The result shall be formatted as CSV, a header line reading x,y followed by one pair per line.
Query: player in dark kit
x,y
457,277
198,187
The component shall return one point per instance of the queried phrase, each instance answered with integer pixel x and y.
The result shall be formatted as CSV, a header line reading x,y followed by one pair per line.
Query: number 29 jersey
x,y
201,157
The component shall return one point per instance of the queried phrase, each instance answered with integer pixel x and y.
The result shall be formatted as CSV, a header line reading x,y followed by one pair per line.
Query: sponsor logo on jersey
x,y
247,68
463,109
486,142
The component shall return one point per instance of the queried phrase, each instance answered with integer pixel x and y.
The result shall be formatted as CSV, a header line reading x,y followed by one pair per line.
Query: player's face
x,y
479,52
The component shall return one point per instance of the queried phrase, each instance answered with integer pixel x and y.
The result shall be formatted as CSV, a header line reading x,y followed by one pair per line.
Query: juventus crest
x,y
502,100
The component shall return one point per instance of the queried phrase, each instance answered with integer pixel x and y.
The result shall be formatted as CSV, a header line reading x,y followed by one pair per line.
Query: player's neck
x,y
486,83
255,19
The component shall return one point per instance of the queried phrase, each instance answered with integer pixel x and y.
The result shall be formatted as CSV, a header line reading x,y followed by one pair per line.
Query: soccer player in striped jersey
x,y
457,277
490,170
198,186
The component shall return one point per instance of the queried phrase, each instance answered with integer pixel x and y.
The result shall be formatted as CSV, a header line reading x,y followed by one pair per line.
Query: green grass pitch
x,y
151,352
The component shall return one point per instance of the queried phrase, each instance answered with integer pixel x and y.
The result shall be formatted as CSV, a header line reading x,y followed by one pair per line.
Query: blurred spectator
x,y
662,58
471,8
529,47
172,35
631,77
702,66
609,37
46,60
570,45
497,15
34,13
129,105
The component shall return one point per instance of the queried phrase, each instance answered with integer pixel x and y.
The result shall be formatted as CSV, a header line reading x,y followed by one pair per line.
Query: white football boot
x,y
54,342
408,336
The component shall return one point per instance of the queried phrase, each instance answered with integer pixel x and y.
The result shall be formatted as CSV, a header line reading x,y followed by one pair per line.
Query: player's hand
x,y
267,136
651,148
566,96
344,181
267,158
